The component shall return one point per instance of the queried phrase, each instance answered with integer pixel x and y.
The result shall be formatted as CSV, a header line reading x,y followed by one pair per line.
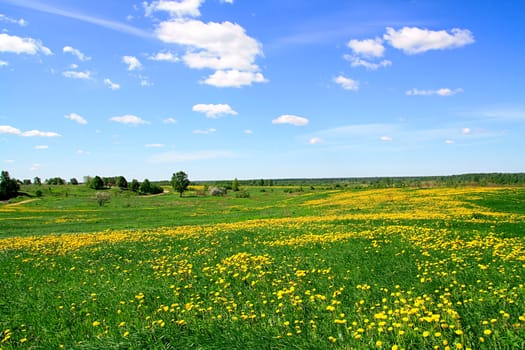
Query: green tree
x,y
73,181
145,186
8,187
235,185
37,181
96,183
180,182
122,182
134,185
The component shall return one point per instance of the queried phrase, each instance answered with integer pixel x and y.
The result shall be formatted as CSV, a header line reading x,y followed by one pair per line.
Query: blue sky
x,y
261,89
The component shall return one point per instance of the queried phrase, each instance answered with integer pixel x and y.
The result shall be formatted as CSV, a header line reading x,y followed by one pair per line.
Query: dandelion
x,y
426,334
332,339
379,343
96,323
487,332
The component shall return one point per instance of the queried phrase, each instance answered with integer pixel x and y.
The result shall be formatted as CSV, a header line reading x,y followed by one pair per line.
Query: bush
x,y
218,191
242,194
102,198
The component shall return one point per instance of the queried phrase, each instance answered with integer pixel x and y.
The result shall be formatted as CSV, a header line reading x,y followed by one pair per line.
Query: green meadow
x,y
284,268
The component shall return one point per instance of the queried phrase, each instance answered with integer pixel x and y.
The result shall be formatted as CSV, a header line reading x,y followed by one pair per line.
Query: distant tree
x,y
180,182
26,182
261,182
8,187
73,181
37,181
96,183
122,182
134,185
55,181
235,185
145,186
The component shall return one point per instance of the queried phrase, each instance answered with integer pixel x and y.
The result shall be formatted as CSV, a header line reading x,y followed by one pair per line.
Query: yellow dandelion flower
x,y
426,334
332,339
96,323
487,332
379,343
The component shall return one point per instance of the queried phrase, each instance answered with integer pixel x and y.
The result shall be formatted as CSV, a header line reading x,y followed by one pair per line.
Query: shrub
x,y
242,194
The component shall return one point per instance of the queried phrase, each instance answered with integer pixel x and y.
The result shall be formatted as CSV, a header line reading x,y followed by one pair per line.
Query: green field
x,y
349,269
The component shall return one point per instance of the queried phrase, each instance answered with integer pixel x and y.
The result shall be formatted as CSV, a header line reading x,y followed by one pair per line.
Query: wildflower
x,y
487,332
332,339
379,343
96,323
426,334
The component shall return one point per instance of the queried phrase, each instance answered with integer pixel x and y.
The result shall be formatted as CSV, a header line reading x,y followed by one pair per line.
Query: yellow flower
x,y
426,334
395,347
96,323
332,339
487,332
125,334
379,343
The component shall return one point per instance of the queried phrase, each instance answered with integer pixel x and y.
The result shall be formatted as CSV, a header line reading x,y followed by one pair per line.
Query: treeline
x,y
144,187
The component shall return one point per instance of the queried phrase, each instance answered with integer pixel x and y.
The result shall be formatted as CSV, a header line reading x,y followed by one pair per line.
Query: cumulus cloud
x,y
439,92
111,85
77,118
367,47
466,131
164,56
224,47
347,83
234,78
132,62
75,52
413,40
18,45
3,63
176,8
169,121
128,119
7,129
214,110
315,141
290,119
77,75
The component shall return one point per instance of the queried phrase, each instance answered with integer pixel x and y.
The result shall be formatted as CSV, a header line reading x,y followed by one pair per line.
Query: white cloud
x,y
367,47
440,92
315,141
111,85
359,62
466,131
7,129
290,119
347,83
224,47
18,45
413,40
77,118
21,22
214,110
144,81
129,119
82,152
234,78
154,145
132,62
35,166
169,121
248,132
77,75
205,131
386,138
176,8
3,63
172,157
449,142
41,147
75,52
164,56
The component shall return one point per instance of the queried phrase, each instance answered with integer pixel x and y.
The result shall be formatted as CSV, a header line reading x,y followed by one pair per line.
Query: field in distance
x,y
285,267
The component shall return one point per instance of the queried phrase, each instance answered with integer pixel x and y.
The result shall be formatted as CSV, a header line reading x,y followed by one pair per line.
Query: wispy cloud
x,y
290,119
77,118
75,52
439,92
172,157
129,119
21,22
205,131
214,110
347,83
113,25
111,85
77,75
154,145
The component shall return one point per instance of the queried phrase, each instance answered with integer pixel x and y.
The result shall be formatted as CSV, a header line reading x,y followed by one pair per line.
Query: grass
x,y
385,269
